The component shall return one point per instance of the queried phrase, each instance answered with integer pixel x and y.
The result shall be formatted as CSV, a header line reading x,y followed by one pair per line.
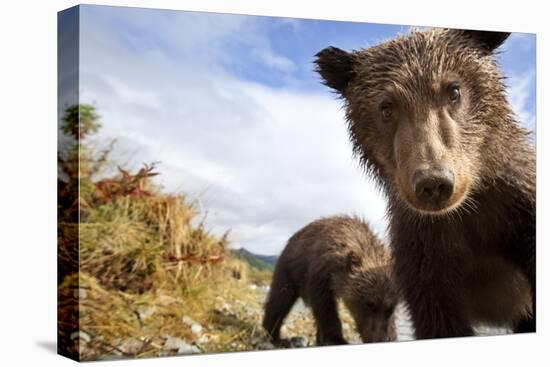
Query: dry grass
x,y
129,243
144,265
115,319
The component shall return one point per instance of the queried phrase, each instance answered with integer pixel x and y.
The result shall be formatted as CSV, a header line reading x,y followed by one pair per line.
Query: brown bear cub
x,y
330,259
428,117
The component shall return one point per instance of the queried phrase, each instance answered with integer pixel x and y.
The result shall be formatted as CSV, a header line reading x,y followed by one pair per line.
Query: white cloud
x,y
273,60
519,95
263,161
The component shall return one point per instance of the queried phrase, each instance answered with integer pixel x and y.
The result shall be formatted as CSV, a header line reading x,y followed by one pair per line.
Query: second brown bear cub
x,y
330,259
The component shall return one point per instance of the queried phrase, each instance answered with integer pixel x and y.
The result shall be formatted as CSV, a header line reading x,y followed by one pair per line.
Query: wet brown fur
x,y
472,260
329,259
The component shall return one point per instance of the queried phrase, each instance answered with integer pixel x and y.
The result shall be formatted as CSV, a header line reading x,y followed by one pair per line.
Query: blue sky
x,y
232,108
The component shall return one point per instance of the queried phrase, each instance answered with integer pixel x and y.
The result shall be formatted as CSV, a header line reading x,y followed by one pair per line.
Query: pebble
x,y
145,312
82,293
187,321
131,346
190,349
204,339
265,346
196,328
298,342
179,345
82,335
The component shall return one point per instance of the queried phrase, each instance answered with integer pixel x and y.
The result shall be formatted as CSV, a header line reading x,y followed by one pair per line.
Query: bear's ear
x,y
489,41
336,66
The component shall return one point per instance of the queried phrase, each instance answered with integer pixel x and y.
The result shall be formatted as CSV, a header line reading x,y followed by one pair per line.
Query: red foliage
x,y
126,184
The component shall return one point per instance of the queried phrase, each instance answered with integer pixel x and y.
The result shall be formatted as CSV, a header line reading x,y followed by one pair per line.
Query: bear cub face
x,y
371,297
418,111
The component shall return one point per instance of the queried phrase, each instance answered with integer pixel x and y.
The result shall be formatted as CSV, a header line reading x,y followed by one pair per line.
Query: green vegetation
x,y
259,262
260,266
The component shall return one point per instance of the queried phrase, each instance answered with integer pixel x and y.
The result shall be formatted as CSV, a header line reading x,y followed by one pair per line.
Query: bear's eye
x,y
454,93
386,110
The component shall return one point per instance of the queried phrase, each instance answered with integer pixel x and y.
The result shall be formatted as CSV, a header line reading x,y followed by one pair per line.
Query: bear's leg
x,y
325,312
528,325
525,257
433,319
281,298
434,294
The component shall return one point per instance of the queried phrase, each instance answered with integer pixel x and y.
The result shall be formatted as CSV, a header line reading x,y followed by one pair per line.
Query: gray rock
x,y
82,335
204,339
82,293
196,328
131,346
265,346
298,342
180,346
189,349
187,321
258,340
145,312
172,343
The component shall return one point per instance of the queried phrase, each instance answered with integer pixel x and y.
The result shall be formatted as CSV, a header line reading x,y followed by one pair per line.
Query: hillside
x,y
259,262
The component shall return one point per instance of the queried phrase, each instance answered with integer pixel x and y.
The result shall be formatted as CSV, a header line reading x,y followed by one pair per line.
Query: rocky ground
x,y
234,324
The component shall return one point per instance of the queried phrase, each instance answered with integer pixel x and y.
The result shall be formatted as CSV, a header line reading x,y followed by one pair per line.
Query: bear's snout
x,y
433,187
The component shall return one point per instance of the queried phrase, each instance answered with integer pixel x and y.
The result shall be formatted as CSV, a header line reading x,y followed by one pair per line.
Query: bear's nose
x,y
433,186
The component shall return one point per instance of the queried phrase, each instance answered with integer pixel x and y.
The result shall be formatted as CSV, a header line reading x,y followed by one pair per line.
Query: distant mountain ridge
x,y
260,262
